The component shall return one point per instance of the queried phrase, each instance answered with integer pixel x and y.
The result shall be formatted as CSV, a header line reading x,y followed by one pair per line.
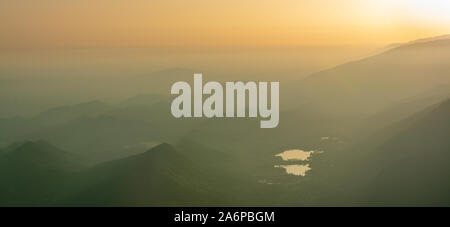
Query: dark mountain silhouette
x,y
160,176
102,131
405,164
33,172
188,175
413,166
10,148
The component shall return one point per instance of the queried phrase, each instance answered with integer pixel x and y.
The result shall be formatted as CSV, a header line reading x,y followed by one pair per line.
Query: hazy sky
x,y
145,23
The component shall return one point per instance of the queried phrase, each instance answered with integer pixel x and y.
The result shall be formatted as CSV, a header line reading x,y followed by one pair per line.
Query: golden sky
x,y
148,23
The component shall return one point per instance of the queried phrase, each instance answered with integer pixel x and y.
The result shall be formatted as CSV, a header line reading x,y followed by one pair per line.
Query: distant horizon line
x,y
202,47
381,44
199,48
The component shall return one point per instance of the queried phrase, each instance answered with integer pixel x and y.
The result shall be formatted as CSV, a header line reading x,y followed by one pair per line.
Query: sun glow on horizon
x,y
435,11
121,23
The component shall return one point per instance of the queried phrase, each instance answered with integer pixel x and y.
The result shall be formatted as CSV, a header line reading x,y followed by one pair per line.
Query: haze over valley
x,y
93,127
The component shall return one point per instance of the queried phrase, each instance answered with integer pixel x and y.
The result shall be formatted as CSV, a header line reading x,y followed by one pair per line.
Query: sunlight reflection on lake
x,y
295,154
298,170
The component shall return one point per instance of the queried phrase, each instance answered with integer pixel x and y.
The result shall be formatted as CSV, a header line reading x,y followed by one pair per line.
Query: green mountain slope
x,y
413,166
160,176
31,173
405,164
